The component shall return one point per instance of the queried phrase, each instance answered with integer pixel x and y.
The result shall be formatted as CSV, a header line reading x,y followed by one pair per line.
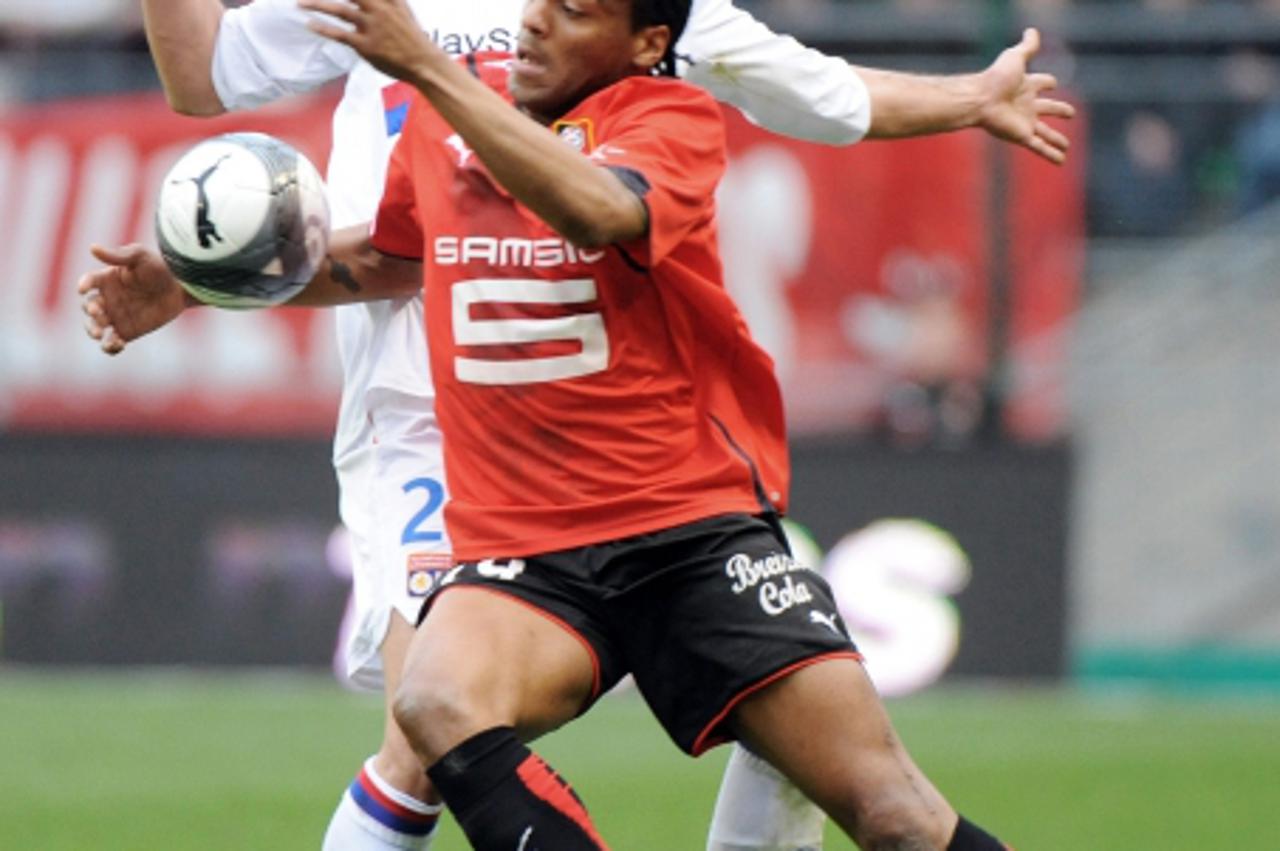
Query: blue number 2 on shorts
x,y
413,531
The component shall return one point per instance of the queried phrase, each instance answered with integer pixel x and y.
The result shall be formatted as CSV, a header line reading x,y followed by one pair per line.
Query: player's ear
x,y
649,45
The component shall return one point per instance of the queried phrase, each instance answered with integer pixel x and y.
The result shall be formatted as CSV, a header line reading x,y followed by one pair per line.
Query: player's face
x,y
568,49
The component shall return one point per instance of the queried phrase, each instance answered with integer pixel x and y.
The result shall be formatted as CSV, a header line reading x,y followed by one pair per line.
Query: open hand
x,y
1017,105
133,295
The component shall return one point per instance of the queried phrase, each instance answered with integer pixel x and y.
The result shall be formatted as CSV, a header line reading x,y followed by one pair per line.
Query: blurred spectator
x,y
1140,183
932,355
1254,79
1258,152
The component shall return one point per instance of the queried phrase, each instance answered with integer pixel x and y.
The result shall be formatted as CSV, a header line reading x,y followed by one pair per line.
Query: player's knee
x,y
424,713
436,715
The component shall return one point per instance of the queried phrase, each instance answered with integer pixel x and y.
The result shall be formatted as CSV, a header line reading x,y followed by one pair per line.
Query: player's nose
x,y
534,17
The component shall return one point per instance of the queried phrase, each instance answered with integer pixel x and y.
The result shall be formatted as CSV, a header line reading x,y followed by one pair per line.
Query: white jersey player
x,y
386,448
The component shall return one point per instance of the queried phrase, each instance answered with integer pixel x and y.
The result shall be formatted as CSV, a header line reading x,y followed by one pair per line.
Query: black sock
x,y
970,837
504,797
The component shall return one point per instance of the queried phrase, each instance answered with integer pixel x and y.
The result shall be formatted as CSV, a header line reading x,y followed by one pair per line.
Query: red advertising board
x,y
863,270
867,272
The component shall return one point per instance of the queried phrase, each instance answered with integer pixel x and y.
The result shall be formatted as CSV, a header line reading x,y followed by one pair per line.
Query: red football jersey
x,y
585,395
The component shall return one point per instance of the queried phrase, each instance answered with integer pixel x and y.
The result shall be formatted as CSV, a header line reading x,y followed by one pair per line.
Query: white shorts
x,y
391,496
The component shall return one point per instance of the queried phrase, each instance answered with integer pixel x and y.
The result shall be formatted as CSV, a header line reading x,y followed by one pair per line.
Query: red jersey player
x,y
589,394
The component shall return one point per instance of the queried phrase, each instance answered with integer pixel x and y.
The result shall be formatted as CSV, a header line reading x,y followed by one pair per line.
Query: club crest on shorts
x,y
424,569
577,134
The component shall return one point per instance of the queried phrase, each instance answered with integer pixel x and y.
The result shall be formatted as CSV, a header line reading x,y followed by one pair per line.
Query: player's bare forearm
x,y
182,34
355,271
134,293
915,105
586,204
1006,100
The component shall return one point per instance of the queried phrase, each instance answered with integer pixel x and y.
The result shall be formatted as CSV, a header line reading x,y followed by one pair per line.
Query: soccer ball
x,y
242,221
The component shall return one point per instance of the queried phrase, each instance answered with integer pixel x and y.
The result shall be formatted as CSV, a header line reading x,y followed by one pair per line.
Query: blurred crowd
x,y
1163,161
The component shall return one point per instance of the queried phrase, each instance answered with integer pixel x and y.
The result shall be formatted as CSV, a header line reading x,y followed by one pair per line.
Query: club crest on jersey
x,y
577,134
424,570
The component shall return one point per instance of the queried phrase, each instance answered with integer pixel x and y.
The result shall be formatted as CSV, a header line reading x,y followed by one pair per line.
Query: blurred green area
x,y
175,761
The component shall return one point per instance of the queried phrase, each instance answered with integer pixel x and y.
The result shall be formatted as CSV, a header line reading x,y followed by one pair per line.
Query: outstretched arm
x,y
1006,100
211,60
135,294
182,35
799,92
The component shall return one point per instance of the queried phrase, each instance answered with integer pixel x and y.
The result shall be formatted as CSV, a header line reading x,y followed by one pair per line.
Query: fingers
x,y
97,324
1054,137
1041,82
1053,108
1048,143
332,33
338,10
1030,44
1042,148
108,340
125,255
90,281
111,342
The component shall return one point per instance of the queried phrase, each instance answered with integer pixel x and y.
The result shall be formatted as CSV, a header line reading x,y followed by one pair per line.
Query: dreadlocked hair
x,y
674,15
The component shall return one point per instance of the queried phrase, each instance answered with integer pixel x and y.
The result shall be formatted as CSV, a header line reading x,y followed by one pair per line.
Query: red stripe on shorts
x,y
706,740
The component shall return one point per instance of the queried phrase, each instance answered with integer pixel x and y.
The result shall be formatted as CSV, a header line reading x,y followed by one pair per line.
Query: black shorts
x,y
702,614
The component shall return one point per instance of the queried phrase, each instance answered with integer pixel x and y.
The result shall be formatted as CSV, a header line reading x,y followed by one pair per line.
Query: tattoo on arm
x,y
341,273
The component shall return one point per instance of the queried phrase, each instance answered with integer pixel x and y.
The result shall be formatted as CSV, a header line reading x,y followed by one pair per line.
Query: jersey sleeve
x,y
397,229
670,150
264,51
777,82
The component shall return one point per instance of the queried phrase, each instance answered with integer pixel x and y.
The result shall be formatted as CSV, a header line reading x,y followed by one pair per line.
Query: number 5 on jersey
x,y
587,329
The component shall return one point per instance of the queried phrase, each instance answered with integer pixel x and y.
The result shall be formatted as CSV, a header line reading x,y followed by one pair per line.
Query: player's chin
x,y
526,87
534,97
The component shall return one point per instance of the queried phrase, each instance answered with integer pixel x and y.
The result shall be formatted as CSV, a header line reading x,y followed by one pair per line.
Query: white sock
x,y
759,810
373,815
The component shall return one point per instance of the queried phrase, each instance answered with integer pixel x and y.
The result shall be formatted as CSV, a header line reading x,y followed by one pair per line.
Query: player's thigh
x,y
825,727
482,658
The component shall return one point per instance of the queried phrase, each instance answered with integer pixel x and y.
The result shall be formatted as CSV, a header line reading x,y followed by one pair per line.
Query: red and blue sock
x,y
374,815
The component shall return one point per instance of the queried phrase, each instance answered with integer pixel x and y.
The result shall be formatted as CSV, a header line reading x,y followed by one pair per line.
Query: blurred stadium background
x,y
1074,373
